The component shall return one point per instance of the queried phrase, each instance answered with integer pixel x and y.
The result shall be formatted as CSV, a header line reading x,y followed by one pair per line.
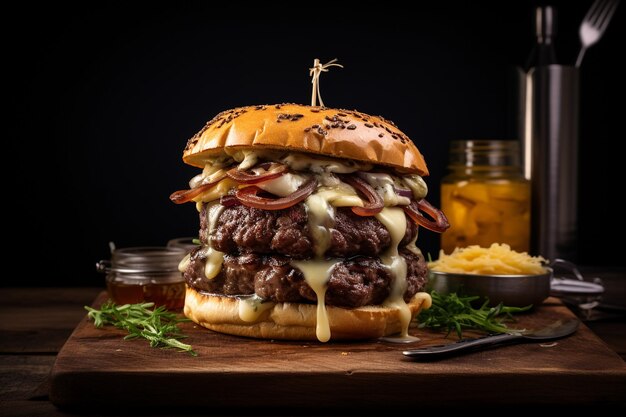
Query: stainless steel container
x,y
548,128
512,290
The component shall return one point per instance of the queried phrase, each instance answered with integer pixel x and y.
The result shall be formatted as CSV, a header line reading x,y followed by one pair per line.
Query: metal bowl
x,y
512,290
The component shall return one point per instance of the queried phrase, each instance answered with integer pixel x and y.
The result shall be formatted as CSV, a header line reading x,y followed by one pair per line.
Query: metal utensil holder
x,y
548,128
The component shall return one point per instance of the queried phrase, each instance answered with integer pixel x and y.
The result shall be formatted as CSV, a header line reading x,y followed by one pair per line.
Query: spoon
x,y
556,330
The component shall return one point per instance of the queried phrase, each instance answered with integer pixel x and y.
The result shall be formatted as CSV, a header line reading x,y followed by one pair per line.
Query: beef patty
x,y
242,230
353,282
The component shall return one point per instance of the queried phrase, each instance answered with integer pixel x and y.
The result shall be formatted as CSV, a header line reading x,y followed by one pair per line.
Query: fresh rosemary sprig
x,y
452,312
158,326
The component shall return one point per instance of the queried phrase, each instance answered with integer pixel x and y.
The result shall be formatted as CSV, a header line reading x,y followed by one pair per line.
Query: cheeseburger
x,y
308,222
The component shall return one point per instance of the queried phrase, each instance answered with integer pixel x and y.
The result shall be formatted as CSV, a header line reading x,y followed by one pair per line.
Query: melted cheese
x,y
213,265
250,159
251,308
184,263
296,161
321,218
417,185
384,185
214,258
425,302
341,195
412,246
317,273
284,185
394,220
209,174
214,261
300,162
222,188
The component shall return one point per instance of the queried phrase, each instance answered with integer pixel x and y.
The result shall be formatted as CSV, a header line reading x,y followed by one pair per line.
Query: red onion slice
x,y
403,192
374,204
248,197
273,170
183,196
229,200
439,223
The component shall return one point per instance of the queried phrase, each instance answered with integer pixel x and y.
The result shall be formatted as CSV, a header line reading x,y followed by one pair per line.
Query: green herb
x,y
452,312
158,326
195,241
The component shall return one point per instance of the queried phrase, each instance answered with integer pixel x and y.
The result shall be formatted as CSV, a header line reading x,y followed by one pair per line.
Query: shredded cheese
x,y
498,259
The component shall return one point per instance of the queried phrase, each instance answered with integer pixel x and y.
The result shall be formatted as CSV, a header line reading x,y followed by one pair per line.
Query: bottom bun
x,y
294,321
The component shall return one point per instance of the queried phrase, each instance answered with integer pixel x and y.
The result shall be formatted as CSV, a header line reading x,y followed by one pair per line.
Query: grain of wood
x,y
26,327
580,369
21,376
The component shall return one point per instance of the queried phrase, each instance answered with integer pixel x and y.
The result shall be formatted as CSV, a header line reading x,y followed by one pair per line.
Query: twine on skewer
x,y
315,73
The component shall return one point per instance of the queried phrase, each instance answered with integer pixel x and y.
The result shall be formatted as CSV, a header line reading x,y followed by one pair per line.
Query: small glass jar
x,y
485,196
145,274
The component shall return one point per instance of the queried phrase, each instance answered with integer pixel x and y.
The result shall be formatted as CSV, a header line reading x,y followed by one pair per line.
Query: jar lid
x,y
187,243
143,260
485,153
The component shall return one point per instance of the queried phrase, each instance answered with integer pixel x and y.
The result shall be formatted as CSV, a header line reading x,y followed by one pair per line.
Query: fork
x,y
594,24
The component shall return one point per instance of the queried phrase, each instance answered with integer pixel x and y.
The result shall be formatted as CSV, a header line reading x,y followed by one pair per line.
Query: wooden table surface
x,y
36,322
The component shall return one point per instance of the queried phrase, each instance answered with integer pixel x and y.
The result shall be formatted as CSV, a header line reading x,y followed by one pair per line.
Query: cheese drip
x,y
394,219
412,245
251,307
184,264
316,273
321,218
214,258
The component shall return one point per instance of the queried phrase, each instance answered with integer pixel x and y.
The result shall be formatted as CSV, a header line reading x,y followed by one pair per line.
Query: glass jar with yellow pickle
x,y
485,196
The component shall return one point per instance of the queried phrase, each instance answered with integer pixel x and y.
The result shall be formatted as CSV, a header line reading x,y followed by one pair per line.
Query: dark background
x,y
103,100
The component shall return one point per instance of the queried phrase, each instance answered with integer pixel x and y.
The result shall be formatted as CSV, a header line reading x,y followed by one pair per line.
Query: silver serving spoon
x,y
556,330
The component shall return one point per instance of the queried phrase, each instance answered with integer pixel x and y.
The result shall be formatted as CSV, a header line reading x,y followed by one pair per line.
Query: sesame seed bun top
x,y
343,134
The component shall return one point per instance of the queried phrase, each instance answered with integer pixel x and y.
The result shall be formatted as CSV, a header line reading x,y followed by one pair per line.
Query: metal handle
x,y
467,345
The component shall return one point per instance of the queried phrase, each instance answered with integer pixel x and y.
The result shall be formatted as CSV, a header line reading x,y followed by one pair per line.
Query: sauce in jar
x,y
485,197
145,274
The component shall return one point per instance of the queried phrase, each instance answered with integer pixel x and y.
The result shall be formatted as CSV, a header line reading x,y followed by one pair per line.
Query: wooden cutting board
x,y
96,368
